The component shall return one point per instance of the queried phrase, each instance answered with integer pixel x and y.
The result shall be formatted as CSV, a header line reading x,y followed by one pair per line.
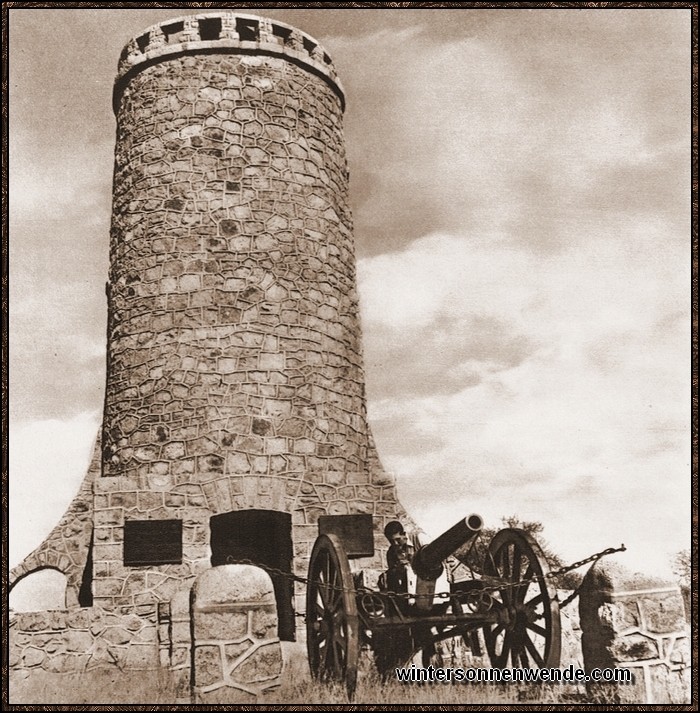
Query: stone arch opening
x,y
40,589
263,538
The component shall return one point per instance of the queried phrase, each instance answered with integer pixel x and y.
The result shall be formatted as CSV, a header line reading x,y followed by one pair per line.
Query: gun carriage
x,y
509,607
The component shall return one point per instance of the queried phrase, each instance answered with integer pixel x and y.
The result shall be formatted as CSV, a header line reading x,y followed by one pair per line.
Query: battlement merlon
x,y
224,32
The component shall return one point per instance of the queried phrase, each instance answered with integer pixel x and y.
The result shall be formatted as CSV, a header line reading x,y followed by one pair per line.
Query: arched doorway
x,y
41,589
264,538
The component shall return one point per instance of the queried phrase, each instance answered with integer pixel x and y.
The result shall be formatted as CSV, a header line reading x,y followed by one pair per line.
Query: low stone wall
x,y
634,622
76,640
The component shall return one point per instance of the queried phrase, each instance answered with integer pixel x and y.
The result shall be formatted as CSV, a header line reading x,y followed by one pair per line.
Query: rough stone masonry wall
x,y
79,640
235,374
635,622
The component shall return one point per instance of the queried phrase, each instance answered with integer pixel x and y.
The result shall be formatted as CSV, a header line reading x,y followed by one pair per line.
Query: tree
x,y
681,568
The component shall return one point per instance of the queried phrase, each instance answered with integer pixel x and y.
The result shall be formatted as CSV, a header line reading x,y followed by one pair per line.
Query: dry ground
x,y
156,687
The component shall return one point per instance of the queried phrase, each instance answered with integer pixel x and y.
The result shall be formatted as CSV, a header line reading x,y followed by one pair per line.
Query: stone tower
x,y
235,407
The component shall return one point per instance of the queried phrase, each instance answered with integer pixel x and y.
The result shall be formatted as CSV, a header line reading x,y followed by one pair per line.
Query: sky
x,y
520,186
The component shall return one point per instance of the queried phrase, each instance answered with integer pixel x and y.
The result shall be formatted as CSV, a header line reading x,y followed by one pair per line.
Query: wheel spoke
x,y
524,659
517,563
496,631
515,649
326,569
539,599
505,651
323,594
331,602
340,645
324,656
506,592
334,592
525,583
490,566
491,636
520,591
538,629
525,603
506,563
530,646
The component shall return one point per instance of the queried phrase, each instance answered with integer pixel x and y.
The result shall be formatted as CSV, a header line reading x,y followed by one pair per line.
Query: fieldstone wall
x,y
83,639
235,377
237,655
638,623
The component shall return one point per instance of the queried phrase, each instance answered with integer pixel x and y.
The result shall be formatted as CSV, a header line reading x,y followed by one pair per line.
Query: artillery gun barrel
x,y
427,562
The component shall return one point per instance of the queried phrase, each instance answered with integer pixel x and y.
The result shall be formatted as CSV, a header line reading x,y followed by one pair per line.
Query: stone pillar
x,y
631,621
237,655
181,645
175,643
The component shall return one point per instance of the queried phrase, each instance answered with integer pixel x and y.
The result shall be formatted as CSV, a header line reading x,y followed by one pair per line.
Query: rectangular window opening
x,y
152,542
143,41
248,30
210,28
309,46
283,34
172,32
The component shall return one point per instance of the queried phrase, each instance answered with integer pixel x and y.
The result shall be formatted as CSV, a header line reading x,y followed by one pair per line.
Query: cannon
x,y
509,607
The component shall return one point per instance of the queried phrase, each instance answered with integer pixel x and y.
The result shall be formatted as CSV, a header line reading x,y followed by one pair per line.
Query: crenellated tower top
x,y
225,32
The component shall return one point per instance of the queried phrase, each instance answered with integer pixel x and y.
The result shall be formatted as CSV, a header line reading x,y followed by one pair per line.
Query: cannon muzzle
x,y
427,562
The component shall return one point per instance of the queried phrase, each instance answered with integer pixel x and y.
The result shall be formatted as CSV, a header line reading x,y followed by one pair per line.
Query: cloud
x,y
463,351
551,387
48,461
57,360
59,177
504,126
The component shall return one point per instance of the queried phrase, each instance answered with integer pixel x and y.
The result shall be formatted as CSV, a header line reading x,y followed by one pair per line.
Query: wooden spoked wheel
x,y
528,631
332,639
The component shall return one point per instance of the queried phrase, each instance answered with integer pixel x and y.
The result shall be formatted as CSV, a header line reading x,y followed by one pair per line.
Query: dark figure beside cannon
x,y
510,605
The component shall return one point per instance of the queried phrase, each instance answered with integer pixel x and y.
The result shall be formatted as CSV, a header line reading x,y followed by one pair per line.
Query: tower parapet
x,y
225,32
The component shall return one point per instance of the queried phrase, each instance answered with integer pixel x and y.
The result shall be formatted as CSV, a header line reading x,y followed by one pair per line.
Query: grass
x,y
97,687
106,686
299,688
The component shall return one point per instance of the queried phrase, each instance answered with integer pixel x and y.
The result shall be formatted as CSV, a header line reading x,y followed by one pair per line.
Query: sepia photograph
x,y
349,354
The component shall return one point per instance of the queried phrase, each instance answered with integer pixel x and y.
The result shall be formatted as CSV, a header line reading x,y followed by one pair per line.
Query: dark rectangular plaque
x,y
354,531
152,542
